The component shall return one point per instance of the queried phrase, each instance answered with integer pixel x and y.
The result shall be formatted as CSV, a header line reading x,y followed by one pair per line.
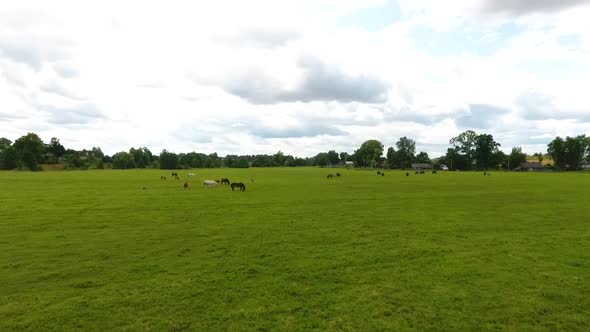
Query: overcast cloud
x,y
297,76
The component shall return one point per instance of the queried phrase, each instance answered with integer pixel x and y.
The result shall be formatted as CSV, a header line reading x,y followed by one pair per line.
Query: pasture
x,y
91,250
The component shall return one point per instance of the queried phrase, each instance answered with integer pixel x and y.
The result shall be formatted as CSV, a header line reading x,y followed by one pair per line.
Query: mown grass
x,y
454,251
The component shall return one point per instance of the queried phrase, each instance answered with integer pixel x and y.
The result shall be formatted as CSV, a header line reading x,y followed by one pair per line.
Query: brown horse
x,y
225,180
187,185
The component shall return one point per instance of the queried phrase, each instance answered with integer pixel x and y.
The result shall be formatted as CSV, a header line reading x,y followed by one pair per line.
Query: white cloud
x,y
261,76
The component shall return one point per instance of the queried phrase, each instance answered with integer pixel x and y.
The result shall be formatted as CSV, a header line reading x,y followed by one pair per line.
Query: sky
x,y
302,76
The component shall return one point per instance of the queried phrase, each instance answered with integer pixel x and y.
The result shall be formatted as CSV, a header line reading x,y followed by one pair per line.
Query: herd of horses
x,y
379,173
210,183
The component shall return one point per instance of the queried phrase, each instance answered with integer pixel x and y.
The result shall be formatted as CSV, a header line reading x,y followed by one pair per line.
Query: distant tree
x,y
168,160
100,165
455,160
406,149
8,155
464,144
539,157
485,148
576,148
55,148
516,157
30,150
501,159
141,156
107,159
123,160
97,153
556,149
391,158
278,159
422,157
344,157
333,157
72,160
369,151
322,159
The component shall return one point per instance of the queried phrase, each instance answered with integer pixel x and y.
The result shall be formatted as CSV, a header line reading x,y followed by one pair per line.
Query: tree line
x,y
468,151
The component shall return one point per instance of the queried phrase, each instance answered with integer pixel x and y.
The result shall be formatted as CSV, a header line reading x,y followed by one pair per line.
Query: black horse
x,y
173,174
407,174
330,176
378,172
337,174
162,178
238,185
224,180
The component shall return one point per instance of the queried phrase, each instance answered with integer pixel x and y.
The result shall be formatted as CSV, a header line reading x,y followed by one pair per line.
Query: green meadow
x,y
92,250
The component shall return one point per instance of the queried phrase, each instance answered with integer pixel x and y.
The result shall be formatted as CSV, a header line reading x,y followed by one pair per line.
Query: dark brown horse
x,y
224,180
187,185
239,185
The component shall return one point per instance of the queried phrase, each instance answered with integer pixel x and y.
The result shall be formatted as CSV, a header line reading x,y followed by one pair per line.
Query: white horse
x,y
209,183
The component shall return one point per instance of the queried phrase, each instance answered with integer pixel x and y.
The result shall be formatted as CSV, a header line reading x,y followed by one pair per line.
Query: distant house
x,y
349,163
530,166
421,166
585,167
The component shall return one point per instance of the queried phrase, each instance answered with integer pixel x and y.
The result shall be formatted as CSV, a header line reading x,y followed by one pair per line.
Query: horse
x,y
330,176
434,172
224,180
176,177
173,174
162,178
417,172
378,172
407,174
238,185
382,174
209,183
338,174
187,185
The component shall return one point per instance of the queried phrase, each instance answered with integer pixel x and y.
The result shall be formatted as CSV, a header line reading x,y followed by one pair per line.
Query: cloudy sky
x,y
299,76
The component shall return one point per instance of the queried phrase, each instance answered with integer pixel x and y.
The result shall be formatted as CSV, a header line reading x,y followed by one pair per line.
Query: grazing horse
x,y
485,173
330,176
378,172
209,183
382,174
224,180
407,174
238,185
187,185
173,174
162,178
337,174
176,177
417,172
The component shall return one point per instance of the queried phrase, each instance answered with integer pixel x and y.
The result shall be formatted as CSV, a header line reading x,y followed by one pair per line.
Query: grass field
x,y
90,250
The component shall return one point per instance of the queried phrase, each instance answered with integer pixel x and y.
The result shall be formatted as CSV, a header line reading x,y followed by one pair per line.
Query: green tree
x,y
30,150
55,148
141,156
422,157
333,157
485,148
465,145
516,157
406,149
278,159
576,148
168,160
123,160
369,151
344,157
556,149
72,160
391,158
8,158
